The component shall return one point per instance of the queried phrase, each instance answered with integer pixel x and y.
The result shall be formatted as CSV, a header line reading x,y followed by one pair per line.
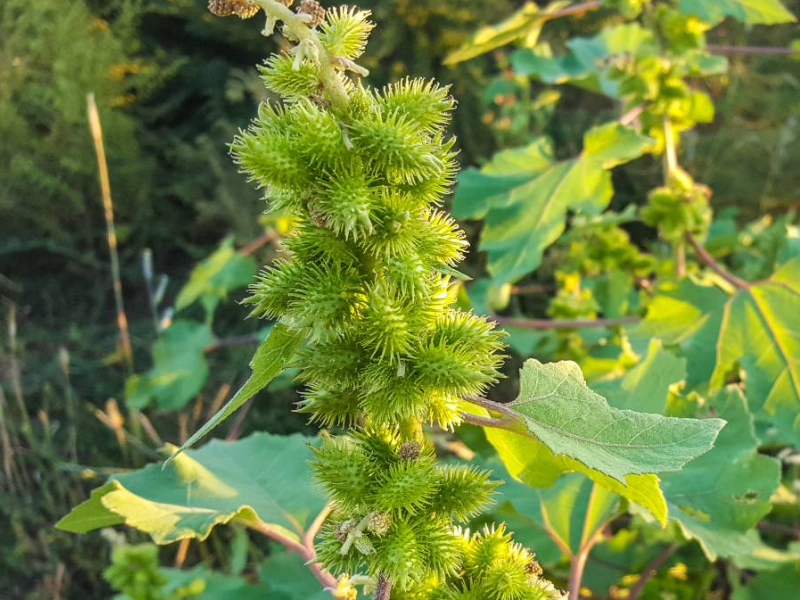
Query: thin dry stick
x,y
752,50
183,549
111,232
651,570
712,264
564,323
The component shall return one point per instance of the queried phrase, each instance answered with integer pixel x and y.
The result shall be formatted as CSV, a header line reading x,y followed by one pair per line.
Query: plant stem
x,y
327,580
564,323
111,232
752,50
651,570
574,10
670,168
298,26
576,568
712,264
384,588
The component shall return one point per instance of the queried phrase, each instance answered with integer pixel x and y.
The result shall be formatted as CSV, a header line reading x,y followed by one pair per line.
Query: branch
x,y
575,10
651,570
327,580
752,50
268,237
712,264
237,340
297,24
564,323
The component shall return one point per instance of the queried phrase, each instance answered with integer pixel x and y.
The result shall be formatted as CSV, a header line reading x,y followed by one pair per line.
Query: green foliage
x,y
557,407
258,481
179,367
524,195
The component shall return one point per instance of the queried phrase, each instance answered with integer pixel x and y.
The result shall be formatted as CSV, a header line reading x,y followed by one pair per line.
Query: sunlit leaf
x,y
556,406
263,480
525,24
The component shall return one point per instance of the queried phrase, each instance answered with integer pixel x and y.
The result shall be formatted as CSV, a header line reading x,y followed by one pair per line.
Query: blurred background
x,y
173,85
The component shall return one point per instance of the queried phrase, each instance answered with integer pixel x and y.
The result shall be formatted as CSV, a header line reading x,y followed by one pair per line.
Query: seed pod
x,y
241,8
379,523
409,450
312,8
344,529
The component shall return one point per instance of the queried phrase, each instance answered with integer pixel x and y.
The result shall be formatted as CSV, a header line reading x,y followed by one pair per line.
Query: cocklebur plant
x,y
366,276
363,305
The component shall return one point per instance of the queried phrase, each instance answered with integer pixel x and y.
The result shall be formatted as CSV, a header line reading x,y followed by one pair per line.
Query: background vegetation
x,y
173,86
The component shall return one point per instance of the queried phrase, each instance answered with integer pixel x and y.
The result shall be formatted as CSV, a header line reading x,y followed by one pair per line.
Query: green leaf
x,y
532,463
262,480
213,278
556,406
645,387
272,356
179,368
588,63
91,514
719,497
757,329
780,585
525,24
526,209
754,12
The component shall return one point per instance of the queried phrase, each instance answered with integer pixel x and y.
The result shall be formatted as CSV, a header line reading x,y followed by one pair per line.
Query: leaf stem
x,y
576,569
327,580
564,323
574,10
712,264
651,570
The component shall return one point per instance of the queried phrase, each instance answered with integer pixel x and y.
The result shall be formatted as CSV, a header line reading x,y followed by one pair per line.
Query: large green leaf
x,y
781,585
719,497
532,463
216,276
525,205
179,368
262,480
557,407
757,328
525,24
764,12
272,356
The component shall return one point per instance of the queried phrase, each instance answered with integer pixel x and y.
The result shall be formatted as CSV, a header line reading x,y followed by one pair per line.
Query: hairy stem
x,y
712,264
384,588
298,26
